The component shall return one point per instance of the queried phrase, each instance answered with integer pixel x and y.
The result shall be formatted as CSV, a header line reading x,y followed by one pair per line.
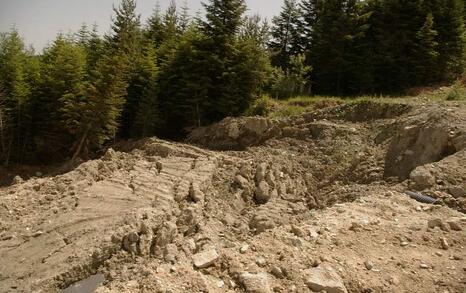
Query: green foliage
x,y
223,19
63,73
17,78
457,92
260,107
179,72
426,52
214,71
255,29
292,81
142,114
287,38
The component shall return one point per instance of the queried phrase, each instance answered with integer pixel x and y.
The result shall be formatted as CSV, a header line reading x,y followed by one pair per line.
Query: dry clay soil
x,y
303,204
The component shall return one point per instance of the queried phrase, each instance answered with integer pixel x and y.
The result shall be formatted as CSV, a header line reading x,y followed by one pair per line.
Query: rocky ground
x,y
303,204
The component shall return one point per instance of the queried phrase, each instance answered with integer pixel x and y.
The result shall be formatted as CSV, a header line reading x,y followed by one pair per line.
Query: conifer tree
x,y
184,18
92,114
126,29
16,90
63,74
308,19
449,22
255,29
223,19
287,34
230,59
126,44
137,119
147,116
426,52
171,21
155,28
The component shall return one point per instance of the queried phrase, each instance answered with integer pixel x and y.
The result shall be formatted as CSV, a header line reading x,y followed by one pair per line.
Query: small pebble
x,y
369,265
424,266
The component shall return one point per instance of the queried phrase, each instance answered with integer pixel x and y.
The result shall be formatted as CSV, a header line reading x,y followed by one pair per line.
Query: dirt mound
x,y
444,180
361,111
290,210
424,138
239,133
234,134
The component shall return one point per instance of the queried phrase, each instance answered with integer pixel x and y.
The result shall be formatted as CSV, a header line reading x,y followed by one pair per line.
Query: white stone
x,y
205,259
324,278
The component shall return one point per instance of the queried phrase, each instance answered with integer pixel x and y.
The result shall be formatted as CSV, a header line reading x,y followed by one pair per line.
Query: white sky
x,y
38,21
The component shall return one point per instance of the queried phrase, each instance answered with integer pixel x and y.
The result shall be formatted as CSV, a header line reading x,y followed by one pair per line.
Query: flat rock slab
x,y
324,278
205,259
255,283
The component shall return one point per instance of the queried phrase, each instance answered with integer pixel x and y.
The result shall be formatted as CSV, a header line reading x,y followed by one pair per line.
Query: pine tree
x,y
287,34
155,30
426,52
126,44
137,118
230,60
126,33
17,93
223,19
184,84
308,19
171,21
94,48
93,114
214,72
255,29
184,18
449,22
147,116
63,75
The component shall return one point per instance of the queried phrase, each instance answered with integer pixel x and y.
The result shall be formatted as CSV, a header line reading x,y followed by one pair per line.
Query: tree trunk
x,y
2,135
81,144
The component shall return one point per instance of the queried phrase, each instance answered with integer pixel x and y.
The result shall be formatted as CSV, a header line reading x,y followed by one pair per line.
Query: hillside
x,y
297,204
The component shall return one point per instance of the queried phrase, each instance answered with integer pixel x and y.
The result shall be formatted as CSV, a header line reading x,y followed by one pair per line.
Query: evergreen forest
x,y
175,71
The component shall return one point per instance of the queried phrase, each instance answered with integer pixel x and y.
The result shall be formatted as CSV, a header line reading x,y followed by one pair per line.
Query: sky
x,y
39,21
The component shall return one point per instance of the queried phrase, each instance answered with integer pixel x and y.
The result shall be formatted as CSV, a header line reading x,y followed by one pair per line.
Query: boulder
x,y
324,278
255,283
205,259
422,178
262,194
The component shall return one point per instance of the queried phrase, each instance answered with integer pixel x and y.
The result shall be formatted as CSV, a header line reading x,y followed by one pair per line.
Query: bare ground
x,y
292,205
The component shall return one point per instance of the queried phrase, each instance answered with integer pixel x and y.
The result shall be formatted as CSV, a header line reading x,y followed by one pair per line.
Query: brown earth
x,y
307,203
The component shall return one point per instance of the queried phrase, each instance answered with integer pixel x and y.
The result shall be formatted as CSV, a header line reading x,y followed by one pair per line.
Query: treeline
x,y
371,46
140,80
176,72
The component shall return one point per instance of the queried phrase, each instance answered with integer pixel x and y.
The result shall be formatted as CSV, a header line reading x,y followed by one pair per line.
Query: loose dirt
x,y
301,204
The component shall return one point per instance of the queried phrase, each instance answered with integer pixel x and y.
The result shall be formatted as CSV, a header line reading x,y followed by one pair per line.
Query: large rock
x,y
324,278
255,283
205,259
262,194
260,173
419,141
234,133
422,178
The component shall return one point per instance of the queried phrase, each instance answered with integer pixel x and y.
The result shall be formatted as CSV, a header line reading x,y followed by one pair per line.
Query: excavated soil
x,y
302,204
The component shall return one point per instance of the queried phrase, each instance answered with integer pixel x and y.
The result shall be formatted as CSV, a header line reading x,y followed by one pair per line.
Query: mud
x,y
254,205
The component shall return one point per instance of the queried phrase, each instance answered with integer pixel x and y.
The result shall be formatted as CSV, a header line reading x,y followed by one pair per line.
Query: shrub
x,y
261,107
457,92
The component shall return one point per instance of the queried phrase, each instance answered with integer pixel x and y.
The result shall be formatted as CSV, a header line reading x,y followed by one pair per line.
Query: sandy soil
x,y
308,203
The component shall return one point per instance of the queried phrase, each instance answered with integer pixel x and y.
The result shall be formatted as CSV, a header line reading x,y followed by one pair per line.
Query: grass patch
x,y
457,92
275,108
